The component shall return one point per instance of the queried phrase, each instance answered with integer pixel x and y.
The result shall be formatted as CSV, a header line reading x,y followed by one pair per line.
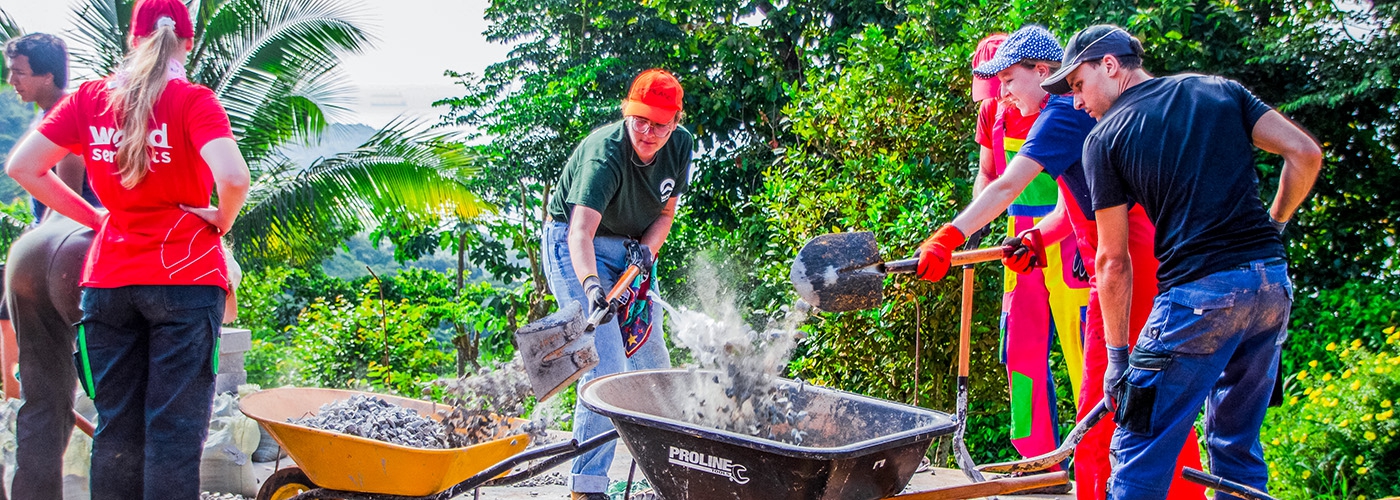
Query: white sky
x,y
401,75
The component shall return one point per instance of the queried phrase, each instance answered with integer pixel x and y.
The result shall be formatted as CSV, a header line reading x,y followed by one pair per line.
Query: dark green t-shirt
x,y
602,174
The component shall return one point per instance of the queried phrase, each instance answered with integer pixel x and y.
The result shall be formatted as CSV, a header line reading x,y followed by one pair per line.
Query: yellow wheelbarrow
x,y
331,465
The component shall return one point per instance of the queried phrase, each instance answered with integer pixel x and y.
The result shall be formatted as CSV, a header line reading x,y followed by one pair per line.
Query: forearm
x,y
1115,293
231,199
997,196
52,192
1055,227
1296,181
581,254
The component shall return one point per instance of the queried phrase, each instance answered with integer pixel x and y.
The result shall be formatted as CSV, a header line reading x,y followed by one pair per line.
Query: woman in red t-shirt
x,y
156,147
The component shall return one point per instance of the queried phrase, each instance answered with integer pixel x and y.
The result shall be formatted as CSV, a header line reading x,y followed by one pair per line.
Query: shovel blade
x,y
557,350
839,272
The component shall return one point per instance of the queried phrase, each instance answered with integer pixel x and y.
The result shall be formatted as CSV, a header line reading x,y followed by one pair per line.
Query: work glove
x,y
597,298
936,253
1117,364
1024,251
638,253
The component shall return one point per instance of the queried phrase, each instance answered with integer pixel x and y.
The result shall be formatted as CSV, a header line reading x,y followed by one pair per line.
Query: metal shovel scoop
x,y
558,349
843,272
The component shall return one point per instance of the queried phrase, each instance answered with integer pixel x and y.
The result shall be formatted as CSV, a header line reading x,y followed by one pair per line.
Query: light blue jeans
x,y
590,471
1215,341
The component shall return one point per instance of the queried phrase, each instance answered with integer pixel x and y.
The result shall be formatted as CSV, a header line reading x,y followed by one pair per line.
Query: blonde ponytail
x,y
134,100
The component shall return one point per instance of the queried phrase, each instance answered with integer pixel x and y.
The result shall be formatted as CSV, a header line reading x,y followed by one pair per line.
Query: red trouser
x,y
1091,464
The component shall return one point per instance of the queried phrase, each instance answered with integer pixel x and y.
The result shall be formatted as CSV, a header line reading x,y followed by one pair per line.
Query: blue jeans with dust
x,y
590,470
146,355
1215,341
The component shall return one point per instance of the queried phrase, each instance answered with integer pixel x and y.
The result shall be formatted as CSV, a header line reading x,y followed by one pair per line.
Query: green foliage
x,y
1355,311
15,217
1336,434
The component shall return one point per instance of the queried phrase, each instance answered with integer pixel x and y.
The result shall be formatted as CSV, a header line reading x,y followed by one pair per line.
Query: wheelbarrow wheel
x,y
285,483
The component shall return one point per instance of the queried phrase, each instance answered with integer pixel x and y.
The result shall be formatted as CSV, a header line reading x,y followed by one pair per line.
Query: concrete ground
x,y
553,484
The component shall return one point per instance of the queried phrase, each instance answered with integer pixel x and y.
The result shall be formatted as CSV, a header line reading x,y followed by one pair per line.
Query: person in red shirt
x,y
156,278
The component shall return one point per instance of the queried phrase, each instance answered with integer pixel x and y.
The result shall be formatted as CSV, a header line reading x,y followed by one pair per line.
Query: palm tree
x,y
273,65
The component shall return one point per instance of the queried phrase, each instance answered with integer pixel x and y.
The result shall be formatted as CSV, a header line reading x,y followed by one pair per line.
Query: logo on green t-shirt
x,y
666,187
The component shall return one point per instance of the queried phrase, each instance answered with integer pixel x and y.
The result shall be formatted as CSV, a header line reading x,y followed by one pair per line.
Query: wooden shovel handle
x,y
989,488
959,259
624,281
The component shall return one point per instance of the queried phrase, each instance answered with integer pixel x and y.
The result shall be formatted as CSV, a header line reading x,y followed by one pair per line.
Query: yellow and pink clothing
x,y
1039,305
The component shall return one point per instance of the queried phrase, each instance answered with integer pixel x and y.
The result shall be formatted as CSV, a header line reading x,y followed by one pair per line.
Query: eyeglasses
x,y
644,126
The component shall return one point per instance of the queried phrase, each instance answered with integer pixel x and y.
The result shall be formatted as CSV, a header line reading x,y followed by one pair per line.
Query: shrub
x,y
1337,434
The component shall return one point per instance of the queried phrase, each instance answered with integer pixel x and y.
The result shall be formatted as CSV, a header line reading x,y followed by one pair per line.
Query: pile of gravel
x,y
220,496
377,419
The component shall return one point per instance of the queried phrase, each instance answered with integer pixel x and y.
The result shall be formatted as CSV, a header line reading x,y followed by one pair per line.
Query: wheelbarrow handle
x,y
562,451
993,487
959,259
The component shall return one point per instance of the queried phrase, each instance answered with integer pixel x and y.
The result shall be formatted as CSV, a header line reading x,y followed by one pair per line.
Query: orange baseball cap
x,y
655,95
986,88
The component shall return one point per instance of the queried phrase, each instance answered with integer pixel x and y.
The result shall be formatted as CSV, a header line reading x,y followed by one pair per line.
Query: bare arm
x,y
230,179
656,233
998,195
1055,227
31,166
986,171
583,225
1115,273
1302,160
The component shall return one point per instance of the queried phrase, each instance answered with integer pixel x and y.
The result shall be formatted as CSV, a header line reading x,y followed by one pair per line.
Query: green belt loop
x,y
88,386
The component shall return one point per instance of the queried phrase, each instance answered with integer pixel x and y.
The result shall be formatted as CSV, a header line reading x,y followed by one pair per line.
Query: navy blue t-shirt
x,y
1182,146
1056,142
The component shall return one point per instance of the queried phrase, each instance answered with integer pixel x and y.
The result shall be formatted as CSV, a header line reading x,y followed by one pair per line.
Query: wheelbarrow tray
x,y
343,462
856,447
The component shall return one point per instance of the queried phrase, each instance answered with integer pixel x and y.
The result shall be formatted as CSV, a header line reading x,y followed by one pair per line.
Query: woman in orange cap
x,y
613,205
156,147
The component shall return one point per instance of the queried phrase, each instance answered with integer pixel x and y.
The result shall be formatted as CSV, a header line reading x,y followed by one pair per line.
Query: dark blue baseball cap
x,y
1091,44
1029,42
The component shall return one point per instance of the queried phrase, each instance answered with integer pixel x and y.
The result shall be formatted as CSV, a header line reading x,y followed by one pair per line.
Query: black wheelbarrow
x,y
854,447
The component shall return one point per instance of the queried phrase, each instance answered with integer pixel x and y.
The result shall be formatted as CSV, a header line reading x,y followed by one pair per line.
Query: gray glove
x,y
1117,364
597,298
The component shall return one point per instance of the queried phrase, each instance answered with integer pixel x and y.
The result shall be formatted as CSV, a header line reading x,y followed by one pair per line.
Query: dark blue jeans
x,y
1215,341
146,355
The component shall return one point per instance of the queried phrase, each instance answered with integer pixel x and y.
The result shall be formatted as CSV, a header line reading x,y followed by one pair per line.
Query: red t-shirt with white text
x,y
148,239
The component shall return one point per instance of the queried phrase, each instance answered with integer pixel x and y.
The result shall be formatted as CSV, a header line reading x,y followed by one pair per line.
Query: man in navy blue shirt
x,y
1182,147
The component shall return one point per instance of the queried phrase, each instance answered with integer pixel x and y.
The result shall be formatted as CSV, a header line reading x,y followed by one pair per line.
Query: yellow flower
x,y
1302,375
1307,474
1385,404
1356,344
1274,442
1370,436
1356,385
1385,415
1360,460
1346,374
1307,391
1293,400
1362,471
1331,346
1344,424
1312,364
1389,331
1326,377
1367,417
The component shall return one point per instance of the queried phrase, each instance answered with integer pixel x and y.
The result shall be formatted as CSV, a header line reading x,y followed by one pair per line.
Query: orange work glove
x,y
1024,251
936,253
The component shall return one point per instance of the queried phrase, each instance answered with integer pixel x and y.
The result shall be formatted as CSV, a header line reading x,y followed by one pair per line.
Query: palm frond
x,y
399,172
274,36
101,27
8,27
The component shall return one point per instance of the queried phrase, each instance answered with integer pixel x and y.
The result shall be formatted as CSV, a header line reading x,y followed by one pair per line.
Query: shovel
x,y
1058,455
843,272
558,349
